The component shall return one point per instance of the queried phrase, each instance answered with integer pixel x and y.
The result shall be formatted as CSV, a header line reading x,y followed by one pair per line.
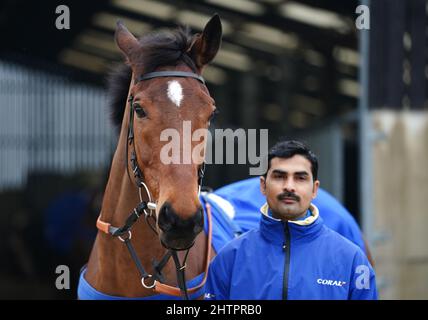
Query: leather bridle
x,y
124,233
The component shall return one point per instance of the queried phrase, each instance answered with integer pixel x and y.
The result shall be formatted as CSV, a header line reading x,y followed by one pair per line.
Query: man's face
x,y
289,187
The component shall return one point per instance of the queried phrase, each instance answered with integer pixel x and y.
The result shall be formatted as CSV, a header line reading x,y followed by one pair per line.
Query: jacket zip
x,y
286,248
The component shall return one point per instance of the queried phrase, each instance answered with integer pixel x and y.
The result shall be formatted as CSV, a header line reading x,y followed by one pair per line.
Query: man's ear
x,y
206,45
126,42
263,185
315,189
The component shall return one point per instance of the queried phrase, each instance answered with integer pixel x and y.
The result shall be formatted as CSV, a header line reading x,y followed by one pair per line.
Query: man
x,y
244,199
292,255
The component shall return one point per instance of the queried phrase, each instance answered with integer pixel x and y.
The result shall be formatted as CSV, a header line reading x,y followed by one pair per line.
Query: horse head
x,y
168,105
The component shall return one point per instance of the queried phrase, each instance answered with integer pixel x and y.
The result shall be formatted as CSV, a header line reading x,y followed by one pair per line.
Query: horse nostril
x,y
199,221
166,218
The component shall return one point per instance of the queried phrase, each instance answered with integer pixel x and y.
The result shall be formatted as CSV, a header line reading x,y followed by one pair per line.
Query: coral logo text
x,y
335,283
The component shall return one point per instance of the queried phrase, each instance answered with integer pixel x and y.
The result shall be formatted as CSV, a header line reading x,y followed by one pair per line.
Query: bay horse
x,y
164,87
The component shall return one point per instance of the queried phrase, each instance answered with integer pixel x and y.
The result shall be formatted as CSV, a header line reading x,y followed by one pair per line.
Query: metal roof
x,y
306,48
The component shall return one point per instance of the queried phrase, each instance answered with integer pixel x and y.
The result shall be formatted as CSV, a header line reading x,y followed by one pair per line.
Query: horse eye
x,y
139,111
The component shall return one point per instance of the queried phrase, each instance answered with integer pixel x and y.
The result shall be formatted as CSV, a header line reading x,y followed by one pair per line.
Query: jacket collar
x,y
273,229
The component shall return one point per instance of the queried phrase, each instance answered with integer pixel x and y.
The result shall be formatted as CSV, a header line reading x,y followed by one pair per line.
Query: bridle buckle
x,y
126,239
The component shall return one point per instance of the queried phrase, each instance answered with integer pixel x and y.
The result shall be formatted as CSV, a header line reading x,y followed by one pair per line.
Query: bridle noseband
x,y
124,233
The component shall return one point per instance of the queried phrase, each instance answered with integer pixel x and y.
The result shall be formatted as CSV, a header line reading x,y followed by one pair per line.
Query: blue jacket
x,y
246,198
291,260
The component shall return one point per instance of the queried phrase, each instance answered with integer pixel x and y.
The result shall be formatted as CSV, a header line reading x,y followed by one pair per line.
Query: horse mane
x,y
160,48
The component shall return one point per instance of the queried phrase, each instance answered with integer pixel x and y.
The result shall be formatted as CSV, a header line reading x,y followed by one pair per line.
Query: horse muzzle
x,y
178,233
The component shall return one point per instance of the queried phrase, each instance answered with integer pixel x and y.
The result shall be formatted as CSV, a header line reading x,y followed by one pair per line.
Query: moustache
x,y
289,195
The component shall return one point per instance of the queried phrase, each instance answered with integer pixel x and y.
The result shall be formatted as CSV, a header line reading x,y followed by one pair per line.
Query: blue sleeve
x,y
217,286
352,231
338,218
363,279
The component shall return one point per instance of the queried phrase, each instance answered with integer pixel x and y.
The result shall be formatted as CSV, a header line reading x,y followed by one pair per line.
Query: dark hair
x,y
288,149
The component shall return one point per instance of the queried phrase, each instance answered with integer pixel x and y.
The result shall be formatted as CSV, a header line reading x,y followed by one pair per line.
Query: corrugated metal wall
x,y
48,123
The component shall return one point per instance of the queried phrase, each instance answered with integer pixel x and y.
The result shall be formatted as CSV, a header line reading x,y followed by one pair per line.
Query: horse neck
x,y
121,193
110,268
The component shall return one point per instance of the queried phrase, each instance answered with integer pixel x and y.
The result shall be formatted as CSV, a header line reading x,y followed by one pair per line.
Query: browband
x,y
157,74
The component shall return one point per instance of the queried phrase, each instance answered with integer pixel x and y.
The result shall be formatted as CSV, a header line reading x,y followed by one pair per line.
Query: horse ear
x,y
206,45
126,42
